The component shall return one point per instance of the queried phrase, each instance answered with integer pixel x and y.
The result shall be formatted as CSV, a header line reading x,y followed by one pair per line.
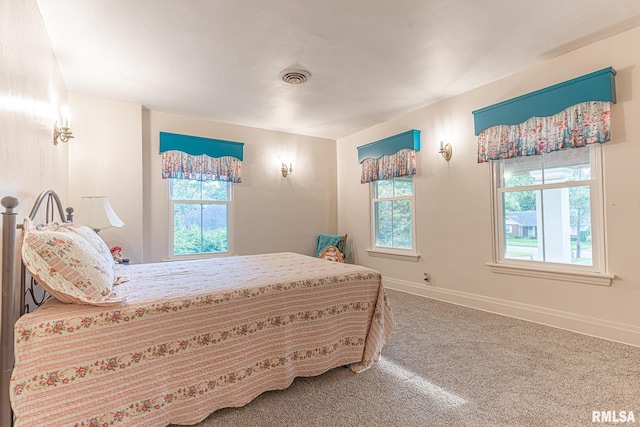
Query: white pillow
x,y
68,266
96,241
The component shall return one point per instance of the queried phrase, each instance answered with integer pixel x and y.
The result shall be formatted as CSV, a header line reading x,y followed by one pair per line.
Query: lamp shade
x,y
97,213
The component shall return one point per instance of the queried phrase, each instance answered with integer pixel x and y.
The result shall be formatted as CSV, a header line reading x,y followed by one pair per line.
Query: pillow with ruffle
x,y
96,241
68,266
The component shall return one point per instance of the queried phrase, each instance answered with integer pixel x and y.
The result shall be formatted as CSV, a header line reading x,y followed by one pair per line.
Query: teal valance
x,y
390,157
596,86
409,140
200,159
196,145
572,114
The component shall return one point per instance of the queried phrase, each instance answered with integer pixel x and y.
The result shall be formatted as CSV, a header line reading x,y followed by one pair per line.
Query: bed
x,y
188,338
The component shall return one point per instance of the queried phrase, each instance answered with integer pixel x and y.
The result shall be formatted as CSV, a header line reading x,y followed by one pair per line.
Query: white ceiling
x,y
370,60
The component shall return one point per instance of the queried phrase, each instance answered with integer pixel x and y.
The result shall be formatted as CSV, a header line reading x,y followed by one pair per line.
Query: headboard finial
x,y
10,203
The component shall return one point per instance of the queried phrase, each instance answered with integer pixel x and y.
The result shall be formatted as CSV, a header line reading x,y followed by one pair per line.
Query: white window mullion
x,y
541,233
220,194
598,231
558,173
392,236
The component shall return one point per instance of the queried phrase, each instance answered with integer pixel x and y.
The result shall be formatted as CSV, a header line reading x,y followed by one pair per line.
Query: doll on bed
x,y
116,253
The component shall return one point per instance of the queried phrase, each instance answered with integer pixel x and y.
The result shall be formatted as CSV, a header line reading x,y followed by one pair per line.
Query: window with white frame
x,y
392,207
201,215
548,210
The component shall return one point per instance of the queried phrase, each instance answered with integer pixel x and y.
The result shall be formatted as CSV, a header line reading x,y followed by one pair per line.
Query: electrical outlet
x,y
427,279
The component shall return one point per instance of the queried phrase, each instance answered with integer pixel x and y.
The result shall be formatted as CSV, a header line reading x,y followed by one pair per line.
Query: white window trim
x,y
561,273
597,274
386,252
394,254
230,225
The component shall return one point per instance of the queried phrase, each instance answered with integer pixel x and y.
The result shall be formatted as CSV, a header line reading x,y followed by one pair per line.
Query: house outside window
x,y
201,215
392,207
549,210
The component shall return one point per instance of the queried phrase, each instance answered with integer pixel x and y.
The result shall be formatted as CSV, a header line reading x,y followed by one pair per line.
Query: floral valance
x,y
200,159
394,165
576,126
391,157
179,165
570,114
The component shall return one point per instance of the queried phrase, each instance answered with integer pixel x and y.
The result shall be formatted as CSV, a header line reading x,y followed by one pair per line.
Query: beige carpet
x,y
447,365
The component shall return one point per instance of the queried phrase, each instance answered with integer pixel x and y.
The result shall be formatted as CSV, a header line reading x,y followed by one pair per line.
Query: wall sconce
x,y
63,133
446,150
286,170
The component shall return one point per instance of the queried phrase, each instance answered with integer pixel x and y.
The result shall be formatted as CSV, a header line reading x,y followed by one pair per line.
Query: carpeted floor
x,y
447,365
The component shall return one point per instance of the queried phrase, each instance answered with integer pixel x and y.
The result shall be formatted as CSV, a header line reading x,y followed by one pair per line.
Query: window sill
x,y
589,278
196,256
394,255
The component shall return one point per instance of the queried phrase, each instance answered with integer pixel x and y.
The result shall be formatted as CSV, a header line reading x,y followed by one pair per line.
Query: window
x,y
548,210
201,215
392,207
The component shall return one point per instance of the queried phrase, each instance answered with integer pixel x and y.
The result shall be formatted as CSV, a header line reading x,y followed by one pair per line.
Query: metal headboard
x,y
32,293
52,202
12,309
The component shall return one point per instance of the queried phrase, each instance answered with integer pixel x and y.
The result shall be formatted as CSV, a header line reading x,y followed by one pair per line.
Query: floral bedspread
x,y
194,337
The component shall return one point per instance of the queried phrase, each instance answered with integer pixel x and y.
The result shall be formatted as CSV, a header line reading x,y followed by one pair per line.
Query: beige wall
x,y
453,205
272,213
116,153
31,90
105,159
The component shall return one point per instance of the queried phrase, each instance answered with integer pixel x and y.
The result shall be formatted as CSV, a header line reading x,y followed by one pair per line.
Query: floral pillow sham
x,y
68,266
93,238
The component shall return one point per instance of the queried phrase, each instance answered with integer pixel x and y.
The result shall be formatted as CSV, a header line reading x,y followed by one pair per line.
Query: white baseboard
x,y
613,331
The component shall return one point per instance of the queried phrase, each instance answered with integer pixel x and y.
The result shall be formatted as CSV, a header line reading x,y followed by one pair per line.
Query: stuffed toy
x,y
331,253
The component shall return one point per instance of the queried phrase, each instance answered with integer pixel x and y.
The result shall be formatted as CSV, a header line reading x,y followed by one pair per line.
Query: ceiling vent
x,y
294,77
